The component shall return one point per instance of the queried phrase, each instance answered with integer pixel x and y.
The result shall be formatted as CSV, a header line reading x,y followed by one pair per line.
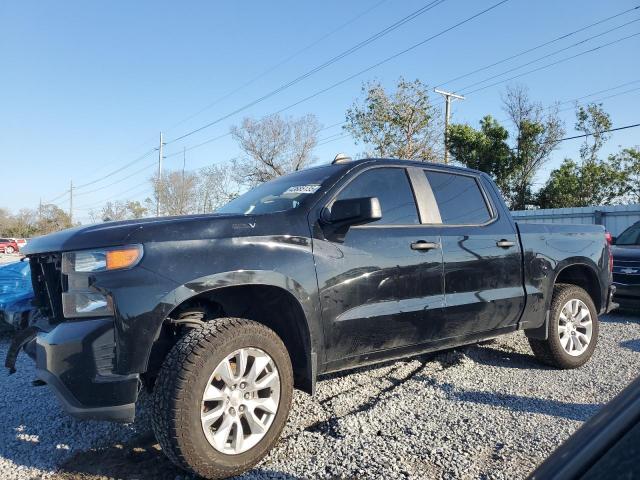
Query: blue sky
x,y
86,86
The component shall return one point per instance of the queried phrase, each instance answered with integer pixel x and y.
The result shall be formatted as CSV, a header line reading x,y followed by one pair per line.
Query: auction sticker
x,y
302,189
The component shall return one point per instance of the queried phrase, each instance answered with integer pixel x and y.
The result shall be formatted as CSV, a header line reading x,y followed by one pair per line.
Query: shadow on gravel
x,y
518,403
138,459
141,459
633,345
621,316
497,357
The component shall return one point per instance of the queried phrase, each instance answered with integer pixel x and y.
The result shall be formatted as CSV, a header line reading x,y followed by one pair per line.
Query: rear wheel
x,y
222,397
573,329
9,249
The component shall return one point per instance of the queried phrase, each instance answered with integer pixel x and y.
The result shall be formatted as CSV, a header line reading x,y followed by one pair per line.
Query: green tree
x,y
537,132
485,149
401,124
574,185
593,121
51,218
592,181
628,161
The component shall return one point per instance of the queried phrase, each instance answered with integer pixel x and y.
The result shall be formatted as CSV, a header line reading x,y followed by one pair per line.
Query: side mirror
x,y
353,211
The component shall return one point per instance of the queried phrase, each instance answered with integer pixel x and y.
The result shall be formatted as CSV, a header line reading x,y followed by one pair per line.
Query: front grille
x,y
46,276
626,271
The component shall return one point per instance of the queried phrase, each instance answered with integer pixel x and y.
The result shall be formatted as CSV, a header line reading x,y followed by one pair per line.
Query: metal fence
x,y
615,218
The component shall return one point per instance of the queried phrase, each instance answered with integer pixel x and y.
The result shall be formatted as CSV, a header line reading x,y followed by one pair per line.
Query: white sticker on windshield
x,y
302,189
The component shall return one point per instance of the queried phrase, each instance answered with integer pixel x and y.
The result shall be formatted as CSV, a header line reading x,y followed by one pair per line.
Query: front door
x,y
381,283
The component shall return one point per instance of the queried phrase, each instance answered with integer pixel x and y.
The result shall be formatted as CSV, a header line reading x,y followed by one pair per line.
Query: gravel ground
x,y
485,411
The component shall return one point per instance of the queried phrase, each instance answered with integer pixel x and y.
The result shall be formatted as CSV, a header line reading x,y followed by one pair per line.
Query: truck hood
x,y
626,252
188,227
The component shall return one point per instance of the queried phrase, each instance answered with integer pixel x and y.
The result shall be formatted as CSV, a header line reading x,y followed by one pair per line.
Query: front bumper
x,y
628,296
76,359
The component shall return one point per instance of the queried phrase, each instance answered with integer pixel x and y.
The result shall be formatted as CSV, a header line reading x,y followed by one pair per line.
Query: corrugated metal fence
x,y
615,218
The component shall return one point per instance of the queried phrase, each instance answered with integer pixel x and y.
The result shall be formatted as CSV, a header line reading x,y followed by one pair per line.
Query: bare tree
x,y
217,187
403,124
120,210
537,132
177,193
274,146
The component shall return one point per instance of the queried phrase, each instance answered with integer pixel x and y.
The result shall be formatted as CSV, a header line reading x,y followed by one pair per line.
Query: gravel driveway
x,y
485,411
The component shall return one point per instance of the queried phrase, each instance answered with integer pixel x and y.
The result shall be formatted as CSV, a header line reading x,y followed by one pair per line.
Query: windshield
x,y
283,193
631,236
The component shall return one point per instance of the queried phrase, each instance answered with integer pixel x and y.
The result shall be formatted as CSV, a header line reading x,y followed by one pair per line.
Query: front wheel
x,y
222,397
573,329
9,249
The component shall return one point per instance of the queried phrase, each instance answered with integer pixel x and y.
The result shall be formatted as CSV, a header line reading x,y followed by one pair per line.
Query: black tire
x,y
178,390
550,351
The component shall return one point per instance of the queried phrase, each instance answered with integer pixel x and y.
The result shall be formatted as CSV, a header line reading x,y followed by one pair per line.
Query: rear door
x,y
482,257
380,283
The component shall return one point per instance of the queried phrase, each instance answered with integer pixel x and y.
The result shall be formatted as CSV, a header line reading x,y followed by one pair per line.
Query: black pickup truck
x,y
328,268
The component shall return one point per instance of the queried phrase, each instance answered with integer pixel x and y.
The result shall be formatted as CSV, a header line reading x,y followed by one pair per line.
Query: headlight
x,y
81,299
101,260
86,304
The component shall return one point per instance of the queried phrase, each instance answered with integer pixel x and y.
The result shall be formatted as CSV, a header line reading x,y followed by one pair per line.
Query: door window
x,y
459,199
391,187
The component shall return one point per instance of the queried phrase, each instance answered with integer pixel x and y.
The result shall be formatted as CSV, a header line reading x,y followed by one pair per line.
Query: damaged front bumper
x,y
76,359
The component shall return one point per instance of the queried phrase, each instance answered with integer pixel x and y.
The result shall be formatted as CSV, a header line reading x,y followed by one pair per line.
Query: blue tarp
x,y
16,292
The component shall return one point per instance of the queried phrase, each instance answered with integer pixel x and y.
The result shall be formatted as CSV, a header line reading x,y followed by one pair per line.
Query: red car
x,y
8,245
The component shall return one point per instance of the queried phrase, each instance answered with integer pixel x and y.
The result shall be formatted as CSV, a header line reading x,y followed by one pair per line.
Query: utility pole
x,y
71,202
447,114
159,182
182,192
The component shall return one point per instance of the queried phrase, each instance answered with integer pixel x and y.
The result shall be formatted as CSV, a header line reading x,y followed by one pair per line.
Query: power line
x,y
600,91
332,125
324,90
63,194
278,65
392,57
631,90
206,142
219,137
91,205
141,157
529,50
553,63
269,70
549,55
119,180
307,74
604,131
361,72
335,139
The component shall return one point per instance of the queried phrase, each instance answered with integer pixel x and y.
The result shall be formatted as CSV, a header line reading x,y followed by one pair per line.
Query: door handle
x,y
505,243
422,245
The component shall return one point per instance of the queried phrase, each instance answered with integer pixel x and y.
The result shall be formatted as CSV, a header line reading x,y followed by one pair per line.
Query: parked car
x,y
16,294
21,242
8,245
325,269
626,267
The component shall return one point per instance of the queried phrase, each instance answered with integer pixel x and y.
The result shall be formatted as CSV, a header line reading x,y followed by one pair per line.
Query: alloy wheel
x,y
575,327
240,401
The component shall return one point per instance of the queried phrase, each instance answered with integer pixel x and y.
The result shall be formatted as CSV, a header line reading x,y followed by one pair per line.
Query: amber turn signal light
x,y
124,258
